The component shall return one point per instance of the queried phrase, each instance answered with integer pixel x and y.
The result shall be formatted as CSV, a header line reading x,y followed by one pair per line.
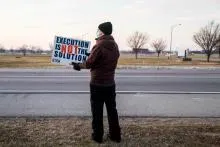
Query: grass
x,y
12,61
164,61
136,132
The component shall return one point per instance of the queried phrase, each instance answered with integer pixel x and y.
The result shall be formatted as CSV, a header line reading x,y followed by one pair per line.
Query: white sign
x,y
67,50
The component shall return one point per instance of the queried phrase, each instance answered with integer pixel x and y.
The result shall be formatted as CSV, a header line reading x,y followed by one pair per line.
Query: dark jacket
x,y
103,61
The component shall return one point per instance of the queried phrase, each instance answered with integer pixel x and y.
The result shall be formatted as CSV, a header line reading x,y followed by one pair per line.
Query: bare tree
x,y
218,48
33,49
51,46
12,50
36,50
207,38
23,49
137,41
39,50
2,49
159,45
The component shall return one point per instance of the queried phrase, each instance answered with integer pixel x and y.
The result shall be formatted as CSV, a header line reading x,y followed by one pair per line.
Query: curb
x,y
167,67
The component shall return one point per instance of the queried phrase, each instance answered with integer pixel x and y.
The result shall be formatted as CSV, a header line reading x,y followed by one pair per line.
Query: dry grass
x,y
164,61
135,132
12,61
27,61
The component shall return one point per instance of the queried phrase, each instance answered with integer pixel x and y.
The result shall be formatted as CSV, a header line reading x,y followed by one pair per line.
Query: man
x,y
102,63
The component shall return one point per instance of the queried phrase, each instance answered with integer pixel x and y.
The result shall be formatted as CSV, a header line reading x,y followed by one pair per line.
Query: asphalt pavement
x,y
204,83
126,80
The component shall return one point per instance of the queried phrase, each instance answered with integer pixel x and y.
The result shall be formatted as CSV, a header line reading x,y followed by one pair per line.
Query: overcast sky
x,y
36,22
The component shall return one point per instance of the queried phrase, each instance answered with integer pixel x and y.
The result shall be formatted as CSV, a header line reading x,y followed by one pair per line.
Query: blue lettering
x,y
79,50
86,44
60,54
64,41
72,42
57,47
82,44
73,56
56,60
79,58
56,54
68,41
84,58
83,51
68,56
58,40
76,42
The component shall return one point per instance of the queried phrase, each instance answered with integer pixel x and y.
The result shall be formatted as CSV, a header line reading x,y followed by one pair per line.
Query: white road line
x,y
44,76
196,98
132,76
87,92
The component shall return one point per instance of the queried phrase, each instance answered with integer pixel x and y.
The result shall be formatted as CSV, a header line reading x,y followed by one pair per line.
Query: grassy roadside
x,y
11,61
140,132
163,61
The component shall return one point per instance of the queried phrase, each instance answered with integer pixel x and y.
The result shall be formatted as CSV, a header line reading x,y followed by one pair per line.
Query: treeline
x,y
24,50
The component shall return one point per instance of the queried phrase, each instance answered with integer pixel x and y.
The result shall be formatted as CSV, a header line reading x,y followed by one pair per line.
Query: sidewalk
x,y
151,105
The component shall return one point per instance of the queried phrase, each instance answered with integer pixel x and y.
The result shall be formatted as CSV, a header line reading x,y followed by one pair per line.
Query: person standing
x,y
102,62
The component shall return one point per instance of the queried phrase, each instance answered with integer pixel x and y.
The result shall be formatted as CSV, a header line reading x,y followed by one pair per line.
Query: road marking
x,y
87,92
132,76
196,98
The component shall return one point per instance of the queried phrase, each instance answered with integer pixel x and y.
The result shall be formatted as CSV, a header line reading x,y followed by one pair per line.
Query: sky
x,y
36,22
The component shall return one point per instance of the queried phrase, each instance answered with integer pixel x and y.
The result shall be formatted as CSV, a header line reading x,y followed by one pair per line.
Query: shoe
x,y
96,139
114,139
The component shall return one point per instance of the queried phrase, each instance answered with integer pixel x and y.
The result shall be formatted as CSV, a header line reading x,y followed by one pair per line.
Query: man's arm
x,y
91,61
93,57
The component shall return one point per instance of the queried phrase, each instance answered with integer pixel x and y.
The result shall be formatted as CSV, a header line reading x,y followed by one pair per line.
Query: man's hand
x,y
87,54
76,66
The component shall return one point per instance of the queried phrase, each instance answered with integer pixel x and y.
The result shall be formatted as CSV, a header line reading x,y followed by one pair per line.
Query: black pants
x,y
99,96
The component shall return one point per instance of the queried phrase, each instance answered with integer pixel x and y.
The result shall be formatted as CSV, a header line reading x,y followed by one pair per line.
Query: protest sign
x,y
67,50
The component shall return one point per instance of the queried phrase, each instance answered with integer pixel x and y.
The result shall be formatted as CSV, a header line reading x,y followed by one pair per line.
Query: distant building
x,y
144,51
217,50
196,52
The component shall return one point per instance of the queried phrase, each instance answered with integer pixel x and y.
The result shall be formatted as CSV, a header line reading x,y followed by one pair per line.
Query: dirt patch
x,y
140,132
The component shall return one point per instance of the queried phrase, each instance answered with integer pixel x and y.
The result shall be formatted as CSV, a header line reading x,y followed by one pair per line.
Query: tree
x,y
39,51
24,49
218,48
159,45
51,46
207,38
137,41
36,50
2,49
33,49
12,50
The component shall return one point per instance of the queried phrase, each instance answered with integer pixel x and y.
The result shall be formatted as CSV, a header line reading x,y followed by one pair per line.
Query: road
x,y
127,80
201,81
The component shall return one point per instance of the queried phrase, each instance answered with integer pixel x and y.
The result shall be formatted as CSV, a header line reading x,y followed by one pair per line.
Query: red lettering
x,y
63,48
70,49
76,49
